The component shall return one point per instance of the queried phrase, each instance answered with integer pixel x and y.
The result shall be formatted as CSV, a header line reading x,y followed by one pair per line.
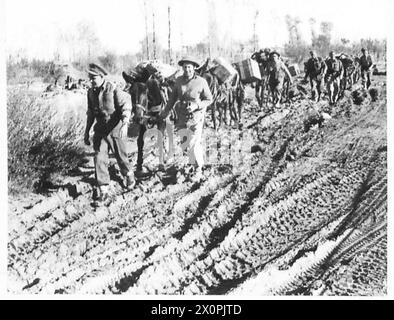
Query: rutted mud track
x,y
311,206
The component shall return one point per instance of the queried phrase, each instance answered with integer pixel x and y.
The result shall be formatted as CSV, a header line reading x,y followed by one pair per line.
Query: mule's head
x,y
139,95
144,95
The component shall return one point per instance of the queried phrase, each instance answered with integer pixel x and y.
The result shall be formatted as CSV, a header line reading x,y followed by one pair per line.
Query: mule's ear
x,y
127,78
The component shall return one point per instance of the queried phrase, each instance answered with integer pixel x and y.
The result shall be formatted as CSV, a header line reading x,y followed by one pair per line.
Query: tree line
x,y
82,45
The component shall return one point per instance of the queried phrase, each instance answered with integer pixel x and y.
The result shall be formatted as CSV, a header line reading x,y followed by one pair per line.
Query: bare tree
x,y
87,39
146,31
212,28
254,30
154,34
169,36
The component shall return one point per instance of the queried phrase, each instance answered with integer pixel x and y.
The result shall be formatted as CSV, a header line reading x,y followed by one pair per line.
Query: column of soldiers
x,y
336,72
110,108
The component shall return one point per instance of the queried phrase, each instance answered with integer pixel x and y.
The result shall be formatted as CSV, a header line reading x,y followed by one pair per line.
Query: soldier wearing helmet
x,y
333,77
277,71
366,68
315,69
189,99
262,58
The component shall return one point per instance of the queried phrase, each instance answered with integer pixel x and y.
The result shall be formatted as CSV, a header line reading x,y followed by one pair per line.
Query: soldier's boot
x,y
103,193
129,180
313,95
141,171
198,175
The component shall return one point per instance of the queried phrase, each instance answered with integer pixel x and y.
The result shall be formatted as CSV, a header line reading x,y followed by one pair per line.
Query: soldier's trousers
x,y
366,78
316,87
102,146
276,91
333,88
194,127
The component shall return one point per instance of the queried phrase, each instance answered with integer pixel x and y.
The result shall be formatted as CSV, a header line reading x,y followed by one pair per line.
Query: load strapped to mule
x,y
294,70
248,70
146,68
223,70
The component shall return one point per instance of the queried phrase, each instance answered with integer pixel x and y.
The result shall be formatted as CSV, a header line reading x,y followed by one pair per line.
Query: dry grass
x,y
38,146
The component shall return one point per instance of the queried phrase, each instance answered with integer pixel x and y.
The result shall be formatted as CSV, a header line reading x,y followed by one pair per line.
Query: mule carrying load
x,y
227,91
147,85
143,70
223,70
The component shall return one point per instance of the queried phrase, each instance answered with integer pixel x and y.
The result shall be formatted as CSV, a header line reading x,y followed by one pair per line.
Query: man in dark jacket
x,y
111,109
366,68
333,77
277,71
315,69
348,69
262,58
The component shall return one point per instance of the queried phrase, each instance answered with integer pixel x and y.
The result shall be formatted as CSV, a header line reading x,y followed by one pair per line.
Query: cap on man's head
x,y
96,70
188,59
363,49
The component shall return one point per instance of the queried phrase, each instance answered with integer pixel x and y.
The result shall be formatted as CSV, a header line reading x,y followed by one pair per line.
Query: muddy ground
x,y
305,213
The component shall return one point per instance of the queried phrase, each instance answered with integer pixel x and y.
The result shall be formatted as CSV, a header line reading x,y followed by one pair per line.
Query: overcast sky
x,y
120,23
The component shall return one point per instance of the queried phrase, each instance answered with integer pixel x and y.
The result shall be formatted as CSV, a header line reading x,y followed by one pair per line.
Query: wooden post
x,y
254,31
146,31
169,36
154,34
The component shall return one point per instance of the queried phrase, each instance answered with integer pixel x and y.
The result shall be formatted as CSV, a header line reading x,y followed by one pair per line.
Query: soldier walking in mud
x,y
189,99
348,69
333,77
315,69
262,58
111,109
365,66
277,71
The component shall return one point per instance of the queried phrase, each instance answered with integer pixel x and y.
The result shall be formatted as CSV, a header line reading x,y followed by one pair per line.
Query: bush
x,y
359,96
38,147
374,93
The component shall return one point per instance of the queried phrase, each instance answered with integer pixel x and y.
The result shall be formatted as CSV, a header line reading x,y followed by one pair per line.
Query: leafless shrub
x,y
38,147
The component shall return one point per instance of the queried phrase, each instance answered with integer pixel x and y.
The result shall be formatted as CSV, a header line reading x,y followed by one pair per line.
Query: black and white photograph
x,y
195,148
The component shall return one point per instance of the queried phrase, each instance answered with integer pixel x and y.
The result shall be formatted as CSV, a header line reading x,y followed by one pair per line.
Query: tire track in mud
x,y
229,265
303,275
254,183
212,237
196,216
82,204
205,277
185,208
82,229
134,244
359,237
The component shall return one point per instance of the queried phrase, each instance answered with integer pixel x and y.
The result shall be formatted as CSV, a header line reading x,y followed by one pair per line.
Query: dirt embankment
x,y
305,214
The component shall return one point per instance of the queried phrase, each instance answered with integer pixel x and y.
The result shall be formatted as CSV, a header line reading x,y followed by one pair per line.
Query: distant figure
x,y
110,108
262,58
315,69
333,77
69,82
277,71
366,68
348,70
